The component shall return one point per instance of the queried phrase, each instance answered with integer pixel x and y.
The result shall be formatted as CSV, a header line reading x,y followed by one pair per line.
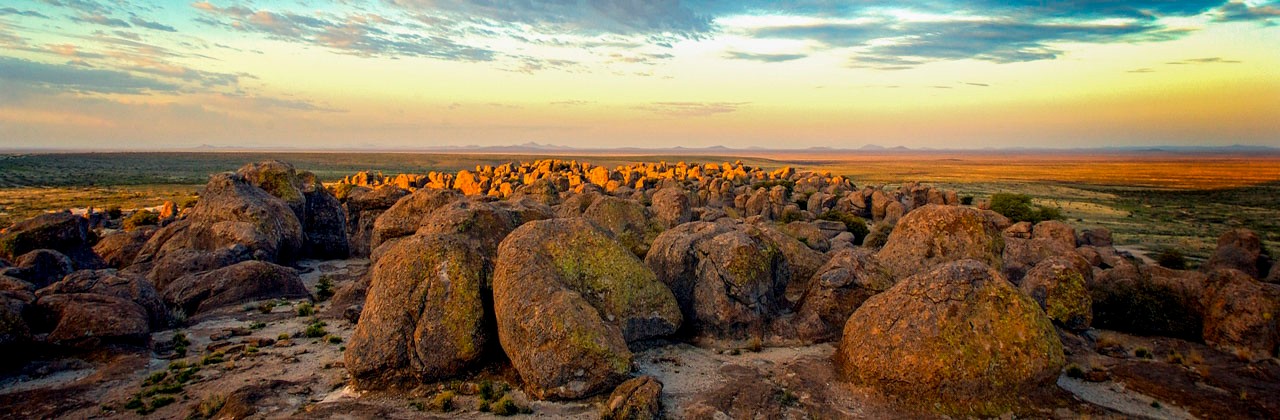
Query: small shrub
x,y
791,215
1177,359
282,337
1171,258
155,378
418,405
966,200
1155,404
1018,207
333,339
133,403
257,325
443,401
114,212
214,358
315,330
141,218
854,224
266,307
486,390
1075,371
324,288
209,406
505,407
306,309
787,398
1143,353
162,401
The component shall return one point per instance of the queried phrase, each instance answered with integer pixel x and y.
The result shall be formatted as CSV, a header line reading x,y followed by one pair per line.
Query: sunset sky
x,y
115,74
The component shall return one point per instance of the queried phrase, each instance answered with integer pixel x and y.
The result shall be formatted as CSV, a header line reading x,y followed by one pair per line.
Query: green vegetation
x,y
324,288
141,218
1018,207
161,387
180,344
257,325
315,329
854,224
306,309
1143,353
443,401
1075,371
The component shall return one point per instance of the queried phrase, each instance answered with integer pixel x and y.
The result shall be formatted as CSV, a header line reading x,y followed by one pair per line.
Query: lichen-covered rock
x,y
1055,231
568,299
1098,237
325,222
848,279
424,317
730,284
1058,285
404,218
1021,255
232,217
937,234
118,250
232,285
802,262
671,207
628,221
182,262
958,338
41,267
1241,315
485,224
636,399
1239,249
110,282
808,234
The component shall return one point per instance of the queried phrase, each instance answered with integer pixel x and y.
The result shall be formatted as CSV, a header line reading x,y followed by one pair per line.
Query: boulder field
x,y
560,273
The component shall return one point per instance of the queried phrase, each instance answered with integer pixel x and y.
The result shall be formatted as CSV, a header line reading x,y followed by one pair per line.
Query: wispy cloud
x,y
101,19
692,109
9,11
762,57
1238,11
77,79
151,25
1206,60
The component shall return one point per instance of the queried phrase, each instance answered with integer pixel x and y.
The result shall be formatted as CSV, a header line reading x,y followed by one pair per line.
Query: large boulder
x,y
671,207
1240,249
404,218
15,297
323,221
89,319
424,317
119,249
41,267
568,299
363,208
1241,315
63,232
958,338
483,223
802,261
232,285
848,279
110,282
937,234
1149,300
628,221
233,218
730,285
1058,285
182,262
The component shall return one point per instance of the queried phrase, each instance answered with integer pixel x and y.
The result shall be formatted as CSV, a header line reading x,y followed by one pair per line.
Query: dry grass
x,y
21,203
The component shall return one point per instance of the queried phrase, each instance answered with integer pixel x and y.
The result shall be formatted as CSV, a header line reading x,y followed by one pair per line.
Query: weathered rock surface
x,y
628,221
87,319
363,207
404,218
1240,249
320,214
937,234
41,267
730,285
1242,315
846,281
425,316
483,223
568,299
671,207
636,399
62,232
118,250
958,338
234,221
232,285
110,282
1058,285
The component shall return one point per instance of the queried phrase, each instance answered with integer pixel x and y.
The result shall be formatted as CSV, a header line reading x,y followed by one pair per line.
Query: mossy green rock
x,y
1058,285
627,220
424,316
848,279
568,298
959,338
406,215
938,234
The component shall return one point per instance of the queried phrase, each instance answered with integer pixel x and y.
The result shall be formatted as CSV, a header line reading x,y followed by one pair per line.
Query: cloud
x,y
590,17
100,19
152,25
86,6
692,109
73,78
1206,60
1237,11
365,35
767,58
6,11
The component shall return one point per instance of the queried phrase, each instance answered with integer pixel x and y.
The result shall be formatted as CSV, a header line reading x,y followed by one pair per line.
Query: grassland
x,y
1149,200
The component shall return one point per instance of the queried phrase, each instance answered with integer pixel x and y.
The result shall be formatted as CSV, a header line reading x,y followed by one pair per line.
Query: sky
x,y
115,74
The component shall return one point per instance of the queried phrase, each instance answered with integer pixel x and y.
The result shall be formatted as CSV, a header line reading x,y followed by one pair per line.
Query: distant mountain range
x,y
539,148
